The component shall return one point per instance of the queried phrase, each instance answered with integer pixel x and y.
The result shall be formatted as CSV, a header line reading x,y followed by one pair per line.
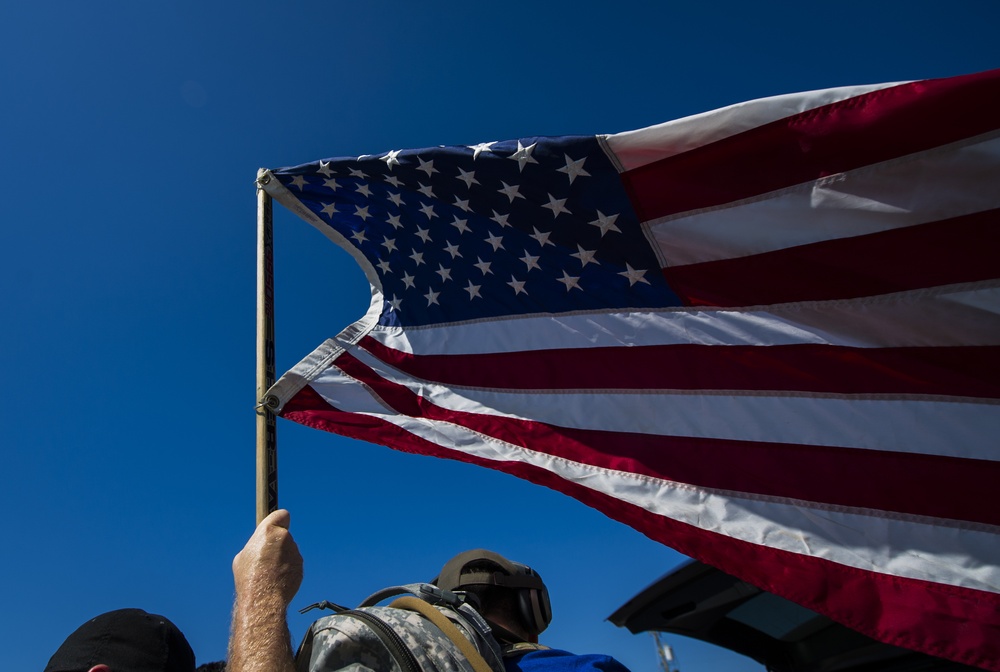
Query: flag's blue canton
x,y
505,228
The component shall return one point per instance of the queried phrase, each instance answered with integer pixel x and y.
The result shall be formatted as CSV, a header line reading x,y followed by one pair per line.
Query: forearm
x,y
260,641
267,574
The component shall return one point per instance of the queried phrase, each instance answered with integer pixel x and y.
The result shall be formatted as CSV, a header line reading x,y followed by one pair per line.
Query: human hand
x,y
270,564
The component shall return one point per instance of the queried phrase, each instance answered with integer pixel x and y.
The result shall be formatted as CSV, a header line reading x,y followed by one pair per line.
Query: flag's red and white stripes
x,y
820,420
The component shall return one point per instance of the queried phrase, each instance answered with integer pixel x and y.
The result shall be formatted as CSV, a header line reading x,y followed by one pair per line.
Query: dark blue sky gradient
x,y
131,137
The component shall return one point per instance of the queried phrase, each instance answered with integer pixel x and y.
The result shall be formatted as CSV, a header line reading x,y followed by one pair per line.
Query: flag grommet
x,y
269,403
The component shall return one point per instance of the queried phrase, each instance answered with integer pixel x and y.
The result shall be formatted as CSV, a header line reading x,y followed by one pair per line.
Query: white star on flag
x,y
391,159
523,155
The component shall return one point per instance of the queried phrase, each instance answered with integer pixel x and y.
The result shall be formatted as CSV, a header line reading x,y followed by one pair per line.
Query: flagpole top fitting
x,y
263,177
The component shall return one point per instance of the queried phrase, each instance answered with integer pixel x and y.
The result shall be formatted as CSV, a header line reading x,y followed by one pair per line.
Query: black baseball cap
x,y
126,640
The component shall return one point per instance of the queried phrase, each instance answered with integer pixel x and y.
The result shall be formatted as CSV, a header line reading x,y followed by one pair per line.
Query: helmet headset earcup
x,y
533,606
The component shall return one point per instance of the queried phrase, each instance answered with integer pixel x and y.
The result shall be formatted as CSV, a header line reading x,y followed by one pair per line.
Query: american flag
x,y
766,336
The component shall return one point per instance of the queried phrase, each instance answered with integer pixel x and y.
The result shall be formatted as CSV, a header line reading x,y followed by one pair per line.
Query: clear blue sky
x,y
131,134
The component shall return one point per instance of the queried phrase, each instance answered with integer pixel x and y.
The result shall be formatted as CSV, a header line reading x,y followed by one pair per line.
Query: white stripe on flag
x,y
929,427
906,547
958,315
931,186
646,145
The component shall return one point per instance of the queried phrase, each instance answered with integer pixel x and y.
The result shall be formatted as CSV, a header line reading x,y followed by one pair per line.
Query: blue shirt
x,y
554,660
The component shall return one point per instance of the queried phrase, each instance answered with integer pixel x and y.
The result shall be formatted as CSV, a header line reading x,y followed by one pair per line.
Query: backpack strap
x,y
425,591
477,661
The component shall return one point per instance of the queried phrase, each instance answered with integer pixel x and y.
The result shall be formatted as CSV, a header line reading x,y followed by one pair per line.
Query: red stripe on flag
x,y
954,371
860,131
870,479
962,249
947,621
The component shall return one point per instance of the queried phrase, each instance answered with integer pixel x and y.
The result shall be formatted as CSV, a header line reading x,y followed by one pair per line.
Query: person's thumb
x,y
278,518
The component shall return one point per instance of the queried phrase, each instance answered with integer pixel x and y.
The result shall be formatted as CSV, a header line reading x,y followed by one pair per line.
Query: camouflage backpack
x,y
432,632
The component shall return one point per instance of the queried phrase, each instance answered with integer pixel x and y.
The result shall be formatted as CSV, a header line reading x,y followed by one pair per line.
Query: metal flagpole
x,y
267,430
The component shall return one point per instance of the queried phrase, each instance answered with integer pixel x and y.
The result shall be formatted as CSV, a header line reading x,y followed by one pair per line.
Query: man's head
x,y
126,640
509,594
